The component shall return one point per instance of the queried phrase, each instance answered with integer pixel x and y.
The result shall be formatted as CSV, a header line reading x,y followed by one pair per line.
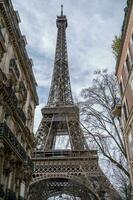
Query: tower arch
x,y
57,186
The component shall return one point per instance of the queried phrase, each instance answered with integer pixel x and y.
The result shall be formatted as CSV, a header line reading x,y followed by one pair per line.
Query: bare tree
x,y
102,129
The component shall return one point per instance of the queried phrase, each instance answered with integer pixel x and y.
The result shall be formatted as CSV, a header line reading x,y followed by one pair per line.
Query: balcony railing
x,y
65,153
10,138
13,66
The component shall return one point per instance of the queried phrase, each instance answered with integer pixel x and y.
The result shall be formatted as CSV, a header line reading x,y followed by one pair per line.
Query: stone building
x,y
18,99
124,73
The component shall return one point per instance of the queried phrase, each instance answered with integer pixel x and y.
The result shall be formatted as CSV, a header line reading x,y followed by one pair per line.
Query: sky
x,y
92,25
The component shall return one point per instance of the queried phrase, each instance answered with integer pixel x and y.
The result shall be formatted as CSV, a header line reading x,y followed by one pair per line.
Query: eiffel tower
x,y
64,164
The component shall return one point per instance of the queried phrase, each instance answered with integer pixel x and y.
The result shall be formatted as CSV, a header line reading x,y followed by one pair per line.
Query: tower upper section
x,y
60,92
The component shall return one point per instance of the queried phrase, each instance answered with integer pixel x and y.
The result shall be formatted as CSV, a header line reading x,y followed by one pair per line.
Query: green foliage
x,y
116,43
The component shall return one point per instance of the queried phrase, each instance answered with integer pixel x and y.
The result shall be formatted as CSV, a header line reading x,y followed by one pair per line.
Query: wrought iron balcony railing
x,y
9,137
13,66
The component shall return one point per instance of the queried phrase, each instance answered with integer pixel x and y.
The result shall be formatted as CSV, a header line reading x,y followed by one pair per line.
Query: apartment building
x,y
124,73
18,99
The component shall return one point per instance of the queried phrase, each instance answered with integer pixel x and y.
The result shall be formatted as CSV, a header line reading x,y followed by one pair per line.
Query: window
x,y
127,105
132,41
132,84
128,65
13,65
121,88
131,54
125,112
130,144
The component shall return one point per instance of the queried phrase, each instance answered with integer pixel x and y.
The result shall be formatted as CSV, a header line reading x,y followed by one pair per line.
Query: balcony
x,y
14,68
22,115
7,135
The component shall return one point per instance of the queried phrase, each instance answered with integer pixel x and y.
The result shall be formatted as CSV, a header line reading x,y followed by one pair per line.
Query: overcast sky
x,y
92,25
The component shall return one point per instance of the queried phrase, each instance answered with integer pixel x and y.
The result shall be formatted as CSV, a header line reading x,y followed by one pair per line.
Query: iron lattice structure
x,y
74,171
60,91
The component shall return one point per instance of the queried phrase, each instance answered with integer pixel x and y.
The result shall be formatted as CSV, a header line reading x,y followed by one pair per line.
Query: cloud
x,y
38,116
91,27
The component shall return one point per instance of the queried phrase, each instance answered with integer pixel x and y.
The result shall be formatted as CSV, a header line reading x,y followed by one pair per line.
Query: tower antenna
x,y
61,10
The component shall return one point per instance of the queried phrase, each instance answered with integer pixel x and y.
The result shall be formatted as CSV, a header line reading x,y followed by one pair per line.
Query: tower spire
x,y
60,91
61,10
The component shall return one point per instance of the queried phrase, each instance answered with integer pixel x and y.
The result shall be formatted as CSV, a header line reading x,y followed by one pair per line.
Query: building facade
x,y
18,99
124,73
